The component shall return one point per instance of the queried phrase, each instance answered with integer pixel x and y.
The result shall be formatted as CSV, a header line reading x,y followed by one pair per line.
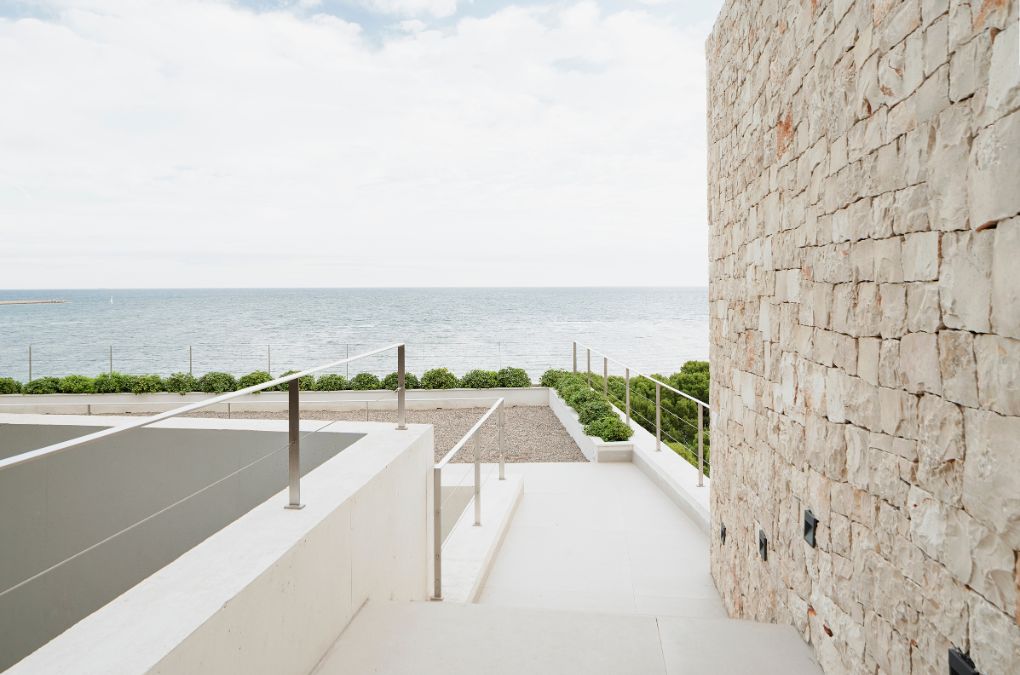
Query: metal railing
x,y
437,485
293,415
659,386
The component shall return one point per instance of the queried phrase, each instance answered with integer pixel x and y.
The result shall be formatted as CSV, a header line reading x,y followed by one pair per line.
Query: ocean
x,y
241,330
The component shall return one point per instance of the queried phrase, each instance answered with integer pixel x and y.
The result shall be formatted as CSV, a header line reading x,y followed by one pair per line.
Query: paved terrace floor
x,y
599,572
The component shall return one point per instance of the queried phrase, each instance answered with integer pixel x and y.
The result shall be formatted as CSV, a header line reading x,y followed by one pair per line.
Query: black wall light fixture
x,y
763,545
722,533
960,663
810,527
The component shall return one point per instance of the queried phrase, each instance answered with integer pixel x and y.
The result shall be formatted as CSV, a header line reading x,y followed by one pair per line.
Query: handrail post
x,y
658,417
626,386
111,359
191,370
478,481
401,391
294,456
30,363
269,358
437,533
501,421
589,366
574,345
605,375
701,446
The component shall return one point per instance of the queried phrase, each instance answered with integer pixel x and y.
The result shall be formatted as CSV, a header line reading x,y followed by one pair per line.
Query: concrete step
x,y
460,639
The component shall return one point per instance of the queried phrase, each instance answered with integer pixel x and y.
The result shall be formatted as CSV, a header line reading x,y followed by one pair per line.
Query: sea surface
x,y
240,330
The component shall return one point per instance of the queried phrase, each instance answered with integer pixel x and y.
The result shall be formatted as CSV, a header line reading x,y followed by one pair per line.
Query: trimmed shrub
x,y
306,383
147,384
365,381
480,379
439,378
332,382
577,398
77,384
43,385
513,377
217,383
593,410
609,428
109,382
181,383
410,381
9,385
253,378
552,377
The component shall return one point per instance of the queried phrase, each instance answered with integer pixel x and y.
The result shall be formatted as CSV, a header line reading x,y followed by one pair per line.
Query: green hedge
x,y
480,379
439,378
679,417
220,382
9,385
332,382
593,407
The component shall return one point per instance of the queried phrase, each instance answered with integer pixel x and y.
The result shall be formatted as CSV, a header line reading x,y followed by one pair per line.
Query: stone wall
x,y
864,192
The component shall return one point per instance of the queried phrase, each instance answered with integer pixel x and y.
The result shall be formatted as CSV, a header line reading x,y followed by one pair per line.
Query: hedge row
x,y
679,418
593,407
218,382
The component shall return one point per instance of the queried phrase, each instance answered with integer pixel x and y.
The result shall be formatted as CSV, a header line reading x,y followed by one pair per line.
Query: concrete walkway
x,y
599,573
601,537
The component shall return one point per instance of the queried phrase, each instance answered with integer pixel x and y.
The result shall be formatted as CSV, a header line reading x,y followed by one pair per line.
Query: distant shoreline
x,y
32,302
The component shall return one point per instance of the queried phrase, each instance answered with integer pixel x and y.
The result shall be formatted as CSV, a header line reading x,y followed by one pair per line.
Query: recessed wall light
x,y
763,545
810,527
960,663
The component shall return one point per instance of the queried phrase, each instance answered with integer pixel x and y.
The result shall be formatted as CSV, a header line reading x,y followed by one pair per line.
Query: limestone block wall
x,y
864,201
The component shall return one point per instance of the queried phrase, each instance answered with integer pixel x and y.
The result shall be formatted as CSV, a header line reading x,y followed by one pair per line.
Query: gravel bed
x,y
532,433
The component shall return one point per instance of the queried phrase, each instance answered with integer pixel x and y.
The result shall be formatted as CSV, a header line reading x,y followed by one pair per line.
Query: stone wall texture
x,y
864,192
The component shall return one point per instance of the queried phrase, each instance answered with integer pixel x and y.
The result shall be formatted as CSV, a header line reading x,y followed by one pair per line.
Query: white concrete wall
x,y
64,504
270,592
417,399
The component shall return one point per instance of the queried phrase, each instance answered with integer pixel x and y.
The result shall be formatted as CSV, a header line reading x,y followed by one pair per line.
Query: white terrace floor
x,y
599,573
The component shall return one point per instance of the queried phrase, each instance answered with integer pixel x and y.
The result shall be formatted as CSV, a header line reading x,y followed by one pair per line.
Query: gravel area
x,y
532,434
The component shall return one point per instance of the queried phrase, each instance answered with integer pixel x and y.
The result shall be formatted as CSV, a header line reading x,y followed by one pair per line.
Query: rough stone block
x,y
1006,277
919,363
998,374
958,367
991,480
921,256
965,287
992,174
940,448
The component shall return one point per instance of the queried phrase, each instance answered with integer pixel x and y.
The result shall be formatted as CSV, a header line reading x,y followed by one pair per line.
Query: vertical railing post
x,y
347,366
701,446
499,355
191,370
30,363
501,421
575,356
589,366
658,417
111,359
626,386
437,533
478,480
269,358
605,375
401,390
294,456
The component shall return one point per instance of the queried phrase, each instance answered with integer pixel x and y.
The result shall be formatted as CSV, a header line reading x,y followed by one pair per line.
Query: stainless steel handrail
x,y
437,486
659,386
293,400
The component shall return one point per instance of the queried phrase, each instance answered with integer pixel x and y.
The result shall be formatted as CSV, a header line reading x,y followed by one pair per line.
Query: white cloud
x,y
195,143
437,8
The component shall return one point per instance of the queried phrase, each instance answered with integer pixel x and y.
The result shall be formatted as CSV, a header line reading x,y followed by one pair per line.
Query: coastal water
x,y
240,330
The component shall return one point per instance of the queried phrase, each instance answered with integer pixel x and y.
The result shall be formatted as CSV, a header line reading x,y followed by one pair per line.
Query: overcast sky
x,y
201,143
